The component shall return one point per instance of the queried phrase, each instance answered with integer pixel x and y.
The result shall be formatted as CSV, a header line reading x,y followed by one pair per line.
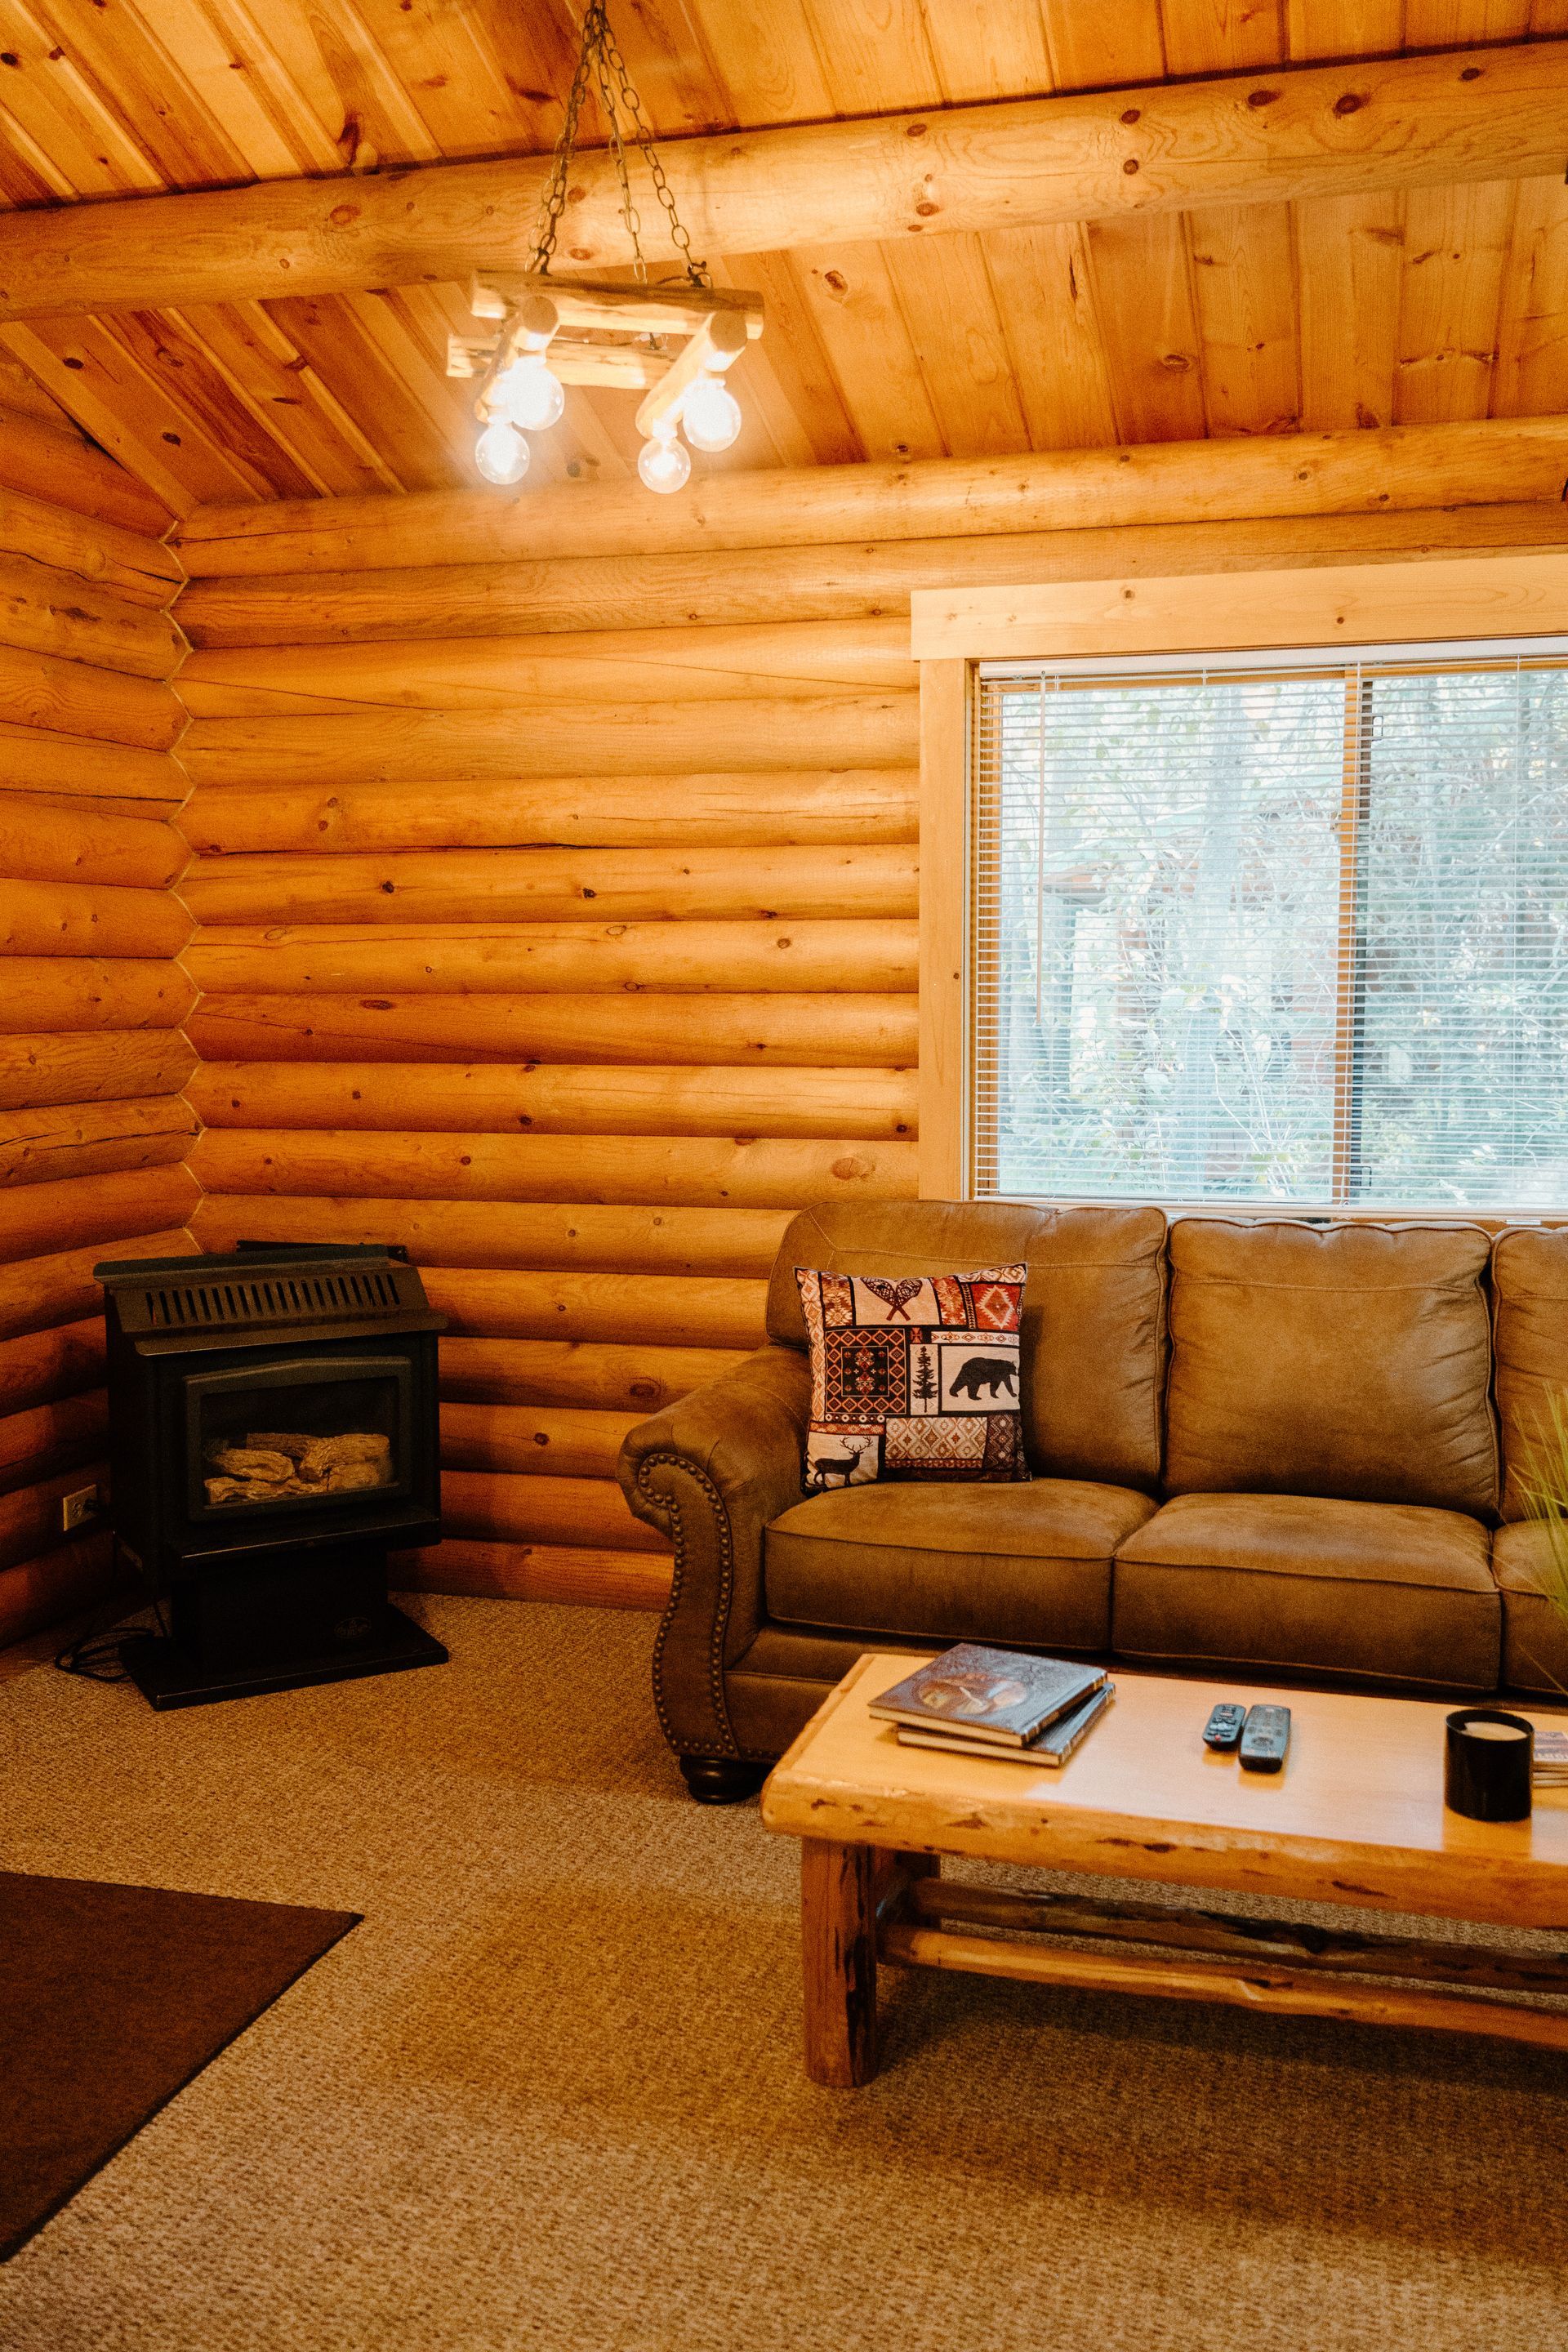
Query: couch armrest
x,y
711,1471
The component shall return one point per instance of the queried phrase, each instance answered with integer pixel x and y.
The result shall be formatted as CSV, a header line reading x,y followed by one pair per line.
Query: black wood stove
x,y
272,1433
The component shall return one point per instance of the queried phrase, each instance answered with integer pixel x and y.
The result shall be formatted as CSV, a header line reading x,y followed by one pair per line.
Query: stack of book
x,y
977,1702
1550,1767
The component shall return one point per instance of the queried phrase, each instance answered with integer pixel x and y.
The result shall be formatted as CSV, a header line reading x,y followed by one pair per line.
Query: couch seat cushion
x,y
1392,1590
954,1562
1534,1637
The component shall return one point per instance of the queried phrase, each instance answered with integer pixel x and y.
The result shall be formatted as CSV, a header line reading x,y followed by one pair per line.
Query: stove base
x,y
168,1676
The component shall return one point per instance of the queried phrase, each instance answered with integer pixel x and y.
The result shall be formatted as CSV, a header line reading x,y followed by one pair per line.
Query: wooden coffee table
x,y
1356,1817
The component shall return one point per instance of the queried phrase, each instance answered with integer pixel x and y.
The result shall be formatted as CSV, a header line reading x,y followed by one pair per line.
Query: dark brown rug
x,y
111,1999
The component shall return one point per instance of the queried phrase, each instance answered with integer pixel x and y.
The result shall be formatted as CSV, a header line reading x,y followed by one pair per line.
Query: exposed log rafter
x,y
1273,136
1495,461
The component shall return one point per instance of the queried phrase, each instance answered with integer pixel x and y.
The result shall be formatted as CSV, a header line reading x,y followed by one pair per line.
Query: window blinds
x,y
1273,932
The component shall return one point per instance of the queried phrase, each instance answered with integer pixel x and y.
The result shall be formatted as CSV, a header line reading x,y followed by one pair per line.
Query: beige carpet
x,y
548,2098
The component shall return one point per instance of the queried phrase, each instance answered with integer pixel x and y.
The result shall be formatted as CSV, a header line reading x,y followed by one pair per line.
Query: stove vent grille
x,y
238,1303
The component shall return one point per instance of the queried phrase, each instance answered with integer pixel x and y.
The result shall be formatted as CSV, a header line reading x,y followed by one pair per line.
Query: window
x,y
1272,933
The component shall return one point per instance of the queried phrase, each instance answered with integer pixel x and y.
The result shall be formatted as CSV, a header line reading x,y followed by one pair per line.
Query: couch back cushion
x,y
1351,1360
1530,1306
1094,1311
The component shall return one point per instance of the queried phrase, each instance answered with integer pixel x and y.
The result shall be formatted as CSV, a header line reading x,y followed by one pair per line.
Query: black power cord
x,y
97,1656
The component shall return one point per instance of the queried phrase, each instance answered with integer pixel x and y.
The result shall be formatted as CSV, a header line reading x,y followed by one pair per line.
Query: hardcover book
x,y
997,1695
1052,1746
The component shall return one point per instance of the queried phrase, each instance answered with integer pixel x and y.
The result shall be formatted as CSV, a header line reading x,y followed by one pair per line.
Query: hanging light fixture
x,y
710,413
674,342
662,463
530,395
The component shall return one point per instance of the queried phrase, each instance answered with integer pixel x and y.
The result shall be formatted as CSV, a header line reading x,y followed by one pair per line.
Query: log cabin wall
x,y
93,1129
576,961
558,917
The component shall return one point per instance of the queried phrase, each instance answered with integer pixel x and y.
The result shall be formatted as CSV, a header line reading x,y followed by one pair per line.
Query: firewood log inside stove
x,y
274,1463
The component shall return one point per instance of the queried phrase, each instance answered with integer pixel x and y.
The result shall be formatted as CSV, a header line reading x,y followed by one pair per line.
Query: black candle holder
x,y
1487,1772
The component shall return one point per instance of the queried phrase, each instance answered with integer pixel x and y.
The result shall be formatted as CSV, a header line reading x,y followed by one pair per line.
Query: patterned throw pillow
x,y
916,1377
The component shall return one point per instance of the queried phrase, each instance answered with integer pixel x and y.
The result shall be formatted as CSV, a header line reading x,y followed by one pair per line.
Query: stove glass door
x,y
318,1431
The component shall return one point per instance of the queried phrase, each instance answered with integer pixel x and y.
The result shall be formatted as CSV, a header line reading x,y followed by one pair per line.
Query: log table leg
x,y
838,1950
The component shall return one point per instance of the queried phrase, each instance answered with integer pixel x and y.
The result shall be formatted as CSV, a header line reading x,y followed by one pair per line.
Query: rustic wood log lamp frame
x,y
549,331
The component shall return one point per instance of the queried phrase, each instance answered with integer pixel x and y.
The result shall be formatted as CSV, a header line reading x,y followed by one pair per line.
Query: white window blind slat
x,y
1282,933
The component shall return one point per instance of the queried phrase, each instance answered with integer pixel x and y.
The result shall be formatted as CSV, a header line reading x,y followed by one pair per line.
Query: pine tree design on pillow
x,y
913,1376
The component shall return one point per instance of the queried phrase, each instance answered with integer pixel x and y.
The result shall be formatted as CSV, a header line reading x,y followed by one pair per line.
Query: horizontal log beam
x,y
39,1443
30,1519
526,694
80,918
553,884
57,1584
864,580
560,1440
124,562
759,1030
538,1236
617,738
1277,137
38,1146
43,1220
71,767
68,698
665,1310
556,1098
46,611
761,664
602,1378
682,1171
86,1066
475,959
43,1366
492,1506
1394,468
38,1293
91,993
553,1099
574,1574
53,844
847,805
53,463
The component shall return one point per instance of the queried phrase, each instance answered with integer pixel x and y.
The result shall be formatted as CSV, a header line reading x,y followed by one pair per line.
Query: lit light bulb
x,y
662,463
501,454
529,395
711,414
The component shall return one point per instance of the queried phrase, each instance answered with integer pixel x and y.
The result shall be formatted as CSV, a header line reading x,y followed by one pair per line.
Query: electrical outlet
x,y
78,1508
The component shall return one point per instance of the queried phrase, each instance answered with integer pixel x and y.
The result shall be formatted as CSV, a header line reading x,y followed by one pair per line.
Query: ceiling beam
x,y
1496,113
1495,461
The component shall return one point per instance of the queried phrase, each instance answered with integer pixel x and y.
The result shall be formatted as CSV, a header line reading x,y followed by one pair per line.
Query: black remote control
x,y
1223,1729
1265,1738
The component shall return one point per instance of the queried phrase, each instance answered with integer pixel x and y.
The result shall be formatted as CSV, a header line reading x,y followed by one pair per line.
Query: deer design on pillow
x,y
843,1466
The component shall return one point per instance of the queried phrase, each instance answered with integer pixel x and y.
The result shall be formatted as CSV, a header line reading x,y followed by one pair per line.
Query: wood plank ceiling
x,y
1430,306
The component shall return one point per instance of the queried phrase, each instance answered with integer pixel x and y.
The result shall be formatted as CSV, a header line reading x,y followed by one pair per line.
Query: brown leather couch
x,y
1280,1450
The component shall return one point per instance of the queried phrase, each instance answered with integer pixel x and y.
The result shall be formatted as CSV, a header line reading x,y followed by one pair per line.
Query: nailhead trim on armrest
x,y
669,1508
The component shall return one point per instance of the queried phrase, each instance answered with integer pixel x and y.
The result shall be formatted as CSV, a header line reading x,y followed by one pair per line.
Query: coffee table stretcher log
x,y
1357,1818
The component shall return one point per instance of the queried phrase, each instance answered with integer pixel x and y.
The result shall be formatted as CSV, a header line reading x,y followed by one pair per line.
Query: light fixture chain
x,y
611,109
643,134
554,203
600,61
